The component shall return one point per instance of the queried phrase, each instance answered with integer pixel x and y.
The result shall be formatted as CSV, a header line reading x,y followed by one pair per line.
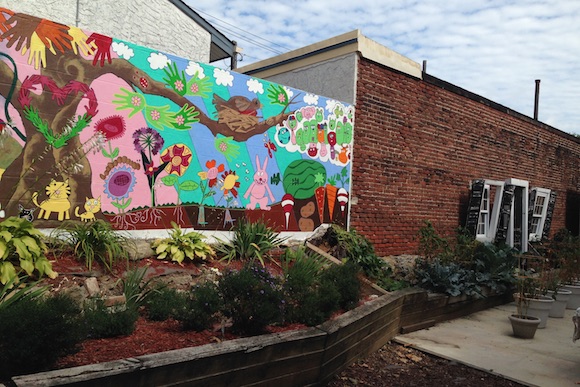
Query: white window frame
x,y
541,216
524,185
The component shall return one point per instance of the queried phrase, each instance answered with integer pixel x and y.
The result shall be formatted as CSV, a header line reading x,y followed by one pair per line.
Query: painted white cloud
x,y
194,67
223,77
158,61
255,86
311,99
494,48
122,50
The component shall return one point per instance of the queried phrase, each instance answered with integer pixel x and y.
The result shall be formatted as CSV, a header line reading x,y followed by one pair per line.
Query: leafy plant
x,y
93,241
252,298
202,306
102,321
345,278
22,246
431,244
251,241
446,277
9,294
165,303
36,332
181,245
136,291
564,251
494,266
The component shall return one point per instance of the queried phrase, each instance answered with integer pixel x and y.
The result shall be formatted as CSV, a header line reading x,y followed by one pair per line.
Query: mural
x,y
97,128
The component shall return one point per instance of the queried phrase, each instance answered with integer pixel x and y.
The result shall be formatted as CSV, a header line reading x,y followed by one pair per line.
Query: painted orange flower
x,y
177,158
211,173
230,183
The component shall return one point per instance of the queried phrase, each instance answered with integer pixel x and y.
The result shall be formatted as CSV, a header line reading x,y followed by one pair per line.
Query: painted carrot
x,y
331,198
319,194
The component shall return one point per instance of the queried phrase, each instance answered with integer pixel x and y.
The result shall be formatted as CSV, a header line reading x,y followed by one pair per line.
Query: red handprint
x,y
21,31
57,34
103,44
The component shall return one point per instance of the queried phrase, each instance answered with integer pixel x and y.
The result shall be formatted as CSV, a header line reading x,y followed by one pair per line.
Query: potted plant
x,y
552,287
524,325
565,251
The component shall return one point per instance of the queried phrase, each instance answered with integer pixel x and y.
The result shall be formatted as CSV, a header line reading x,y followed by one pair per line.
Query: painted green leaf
x,y
188,185
169,180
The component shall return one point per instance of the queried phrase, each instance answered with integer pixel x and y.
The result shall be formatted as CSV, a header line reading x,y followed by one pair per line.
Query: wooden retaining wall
x,y
307,357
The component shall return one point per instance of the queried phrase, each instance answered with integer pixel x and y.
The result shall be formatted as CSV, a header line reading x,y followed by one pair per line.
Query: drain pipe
x,y
536,99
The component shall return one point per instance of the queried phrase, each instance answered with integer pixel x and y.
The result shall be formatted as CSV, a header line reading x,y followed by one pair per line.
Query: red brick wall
x,y
418,144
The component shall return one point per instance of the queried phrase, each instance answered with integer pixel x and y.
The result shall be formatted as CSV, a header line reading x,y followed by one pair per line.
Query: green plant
x,y
181,245
165,303
564,251
494,266
21,244
36,332
136,291
10,294
102,321
446,277
202,306
431,244
252,298
250,241
345,278
93,241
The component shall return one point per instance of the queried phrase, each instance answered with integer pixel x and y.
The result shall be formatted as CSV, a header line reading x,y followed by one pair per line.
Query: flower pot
x,y
574,300
537,307
524,327
561,298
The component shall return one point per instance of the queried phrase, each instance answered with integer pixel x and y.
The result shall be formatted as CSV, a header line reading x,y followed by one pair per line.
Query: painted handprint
x,y
54,35
103,44
129,100
184,117
79,39
37,51
22,27
159,117
3,25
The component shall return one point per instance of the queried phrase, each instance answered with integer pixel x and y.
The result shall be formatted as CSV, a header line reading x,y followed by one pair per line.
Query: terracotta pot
x,y
524,327
561,298
574,300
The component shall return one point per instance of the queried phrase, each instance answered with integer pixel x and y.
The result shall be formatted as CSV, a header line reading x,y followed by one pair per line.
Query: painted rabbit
x,y
259,188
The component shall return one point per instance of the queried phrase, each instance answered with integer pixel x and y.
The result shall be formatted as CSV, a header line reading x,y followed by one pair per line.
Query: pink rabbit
x,y
259,187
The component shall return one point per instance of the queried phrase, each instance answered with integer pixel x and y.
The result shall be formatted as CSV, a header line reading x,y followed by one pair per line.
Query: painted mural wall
x,y
98,128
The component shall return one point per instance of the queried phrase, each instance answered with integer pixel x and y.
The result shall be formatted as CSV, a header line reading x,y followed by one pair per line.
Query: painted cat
x,y
58,193
92,206
26,213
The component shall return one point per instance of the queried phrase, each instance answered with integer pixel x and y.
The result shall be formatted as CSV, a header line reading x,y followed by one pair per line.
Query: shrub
x,y
36,332
22,246
201,307
251,241
164,303
181,245
345,278
252,298
92,241
9,294
446,277
102,322
136,291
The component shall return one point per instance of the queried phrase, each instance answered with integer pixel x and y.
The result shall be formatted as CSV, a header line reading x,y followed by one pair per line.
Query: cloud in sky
x,y
494,48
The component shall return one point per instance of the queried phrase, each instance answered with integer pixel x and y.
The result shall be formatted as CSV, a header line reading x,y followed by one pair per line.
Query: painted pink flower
x,y
136,101
194,88
180,120
178,85
281,98
155,115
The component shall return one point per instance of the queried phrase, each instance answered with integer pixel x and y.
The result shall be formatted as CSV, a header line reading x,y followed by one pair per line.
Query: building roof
x,y
221,46
340,45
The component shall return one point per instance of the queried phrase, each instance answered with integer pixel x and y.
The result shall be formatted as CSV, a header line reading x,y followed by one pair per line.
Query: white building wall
x,y
156,24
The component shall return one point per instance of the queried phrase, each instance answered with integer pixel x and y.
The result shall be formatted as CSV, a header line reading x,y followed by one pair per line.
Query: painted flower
x,y
212,172
150,169
119,182
194,88
155,115
147,139
177,157
136,101
111,127
178,85
180,120
230,183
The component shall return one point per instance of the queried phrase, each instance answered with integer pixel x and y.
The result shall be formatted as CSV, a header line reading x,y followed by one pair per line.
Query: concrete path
x,y
484,340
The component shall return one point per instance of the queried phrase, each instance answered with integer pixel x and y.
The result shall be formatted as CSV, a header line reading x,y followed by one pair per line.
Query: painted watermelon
x,y
302,177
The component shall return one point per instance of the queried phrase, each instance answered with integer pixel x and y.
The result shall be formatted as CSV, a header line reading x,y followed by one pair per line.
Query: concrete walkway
x,y
484,340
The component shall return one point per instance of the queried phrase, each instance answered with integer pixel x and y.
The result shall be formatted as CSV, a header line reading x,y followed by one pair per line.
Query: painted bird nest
x,y
238,122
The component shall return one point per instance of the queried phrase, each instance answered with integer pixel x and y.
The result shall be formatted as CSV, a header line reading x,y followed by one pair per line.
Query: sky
x,y
495,48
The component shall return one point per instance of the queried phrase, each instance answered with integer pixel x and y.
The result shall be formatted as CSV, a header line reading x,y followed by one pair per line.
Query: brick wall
x,y
418,144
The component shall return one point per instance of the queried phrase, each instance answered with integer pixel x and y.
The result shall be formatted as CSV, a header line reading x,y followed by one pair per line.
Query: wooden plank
x,y
323,253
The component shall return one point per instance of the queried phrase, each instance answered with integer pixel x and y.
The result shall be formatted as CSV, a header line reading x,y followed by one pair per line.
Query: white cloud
x,y
255,86
223,77
311,99
194,67
494,48
123,50
158,61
